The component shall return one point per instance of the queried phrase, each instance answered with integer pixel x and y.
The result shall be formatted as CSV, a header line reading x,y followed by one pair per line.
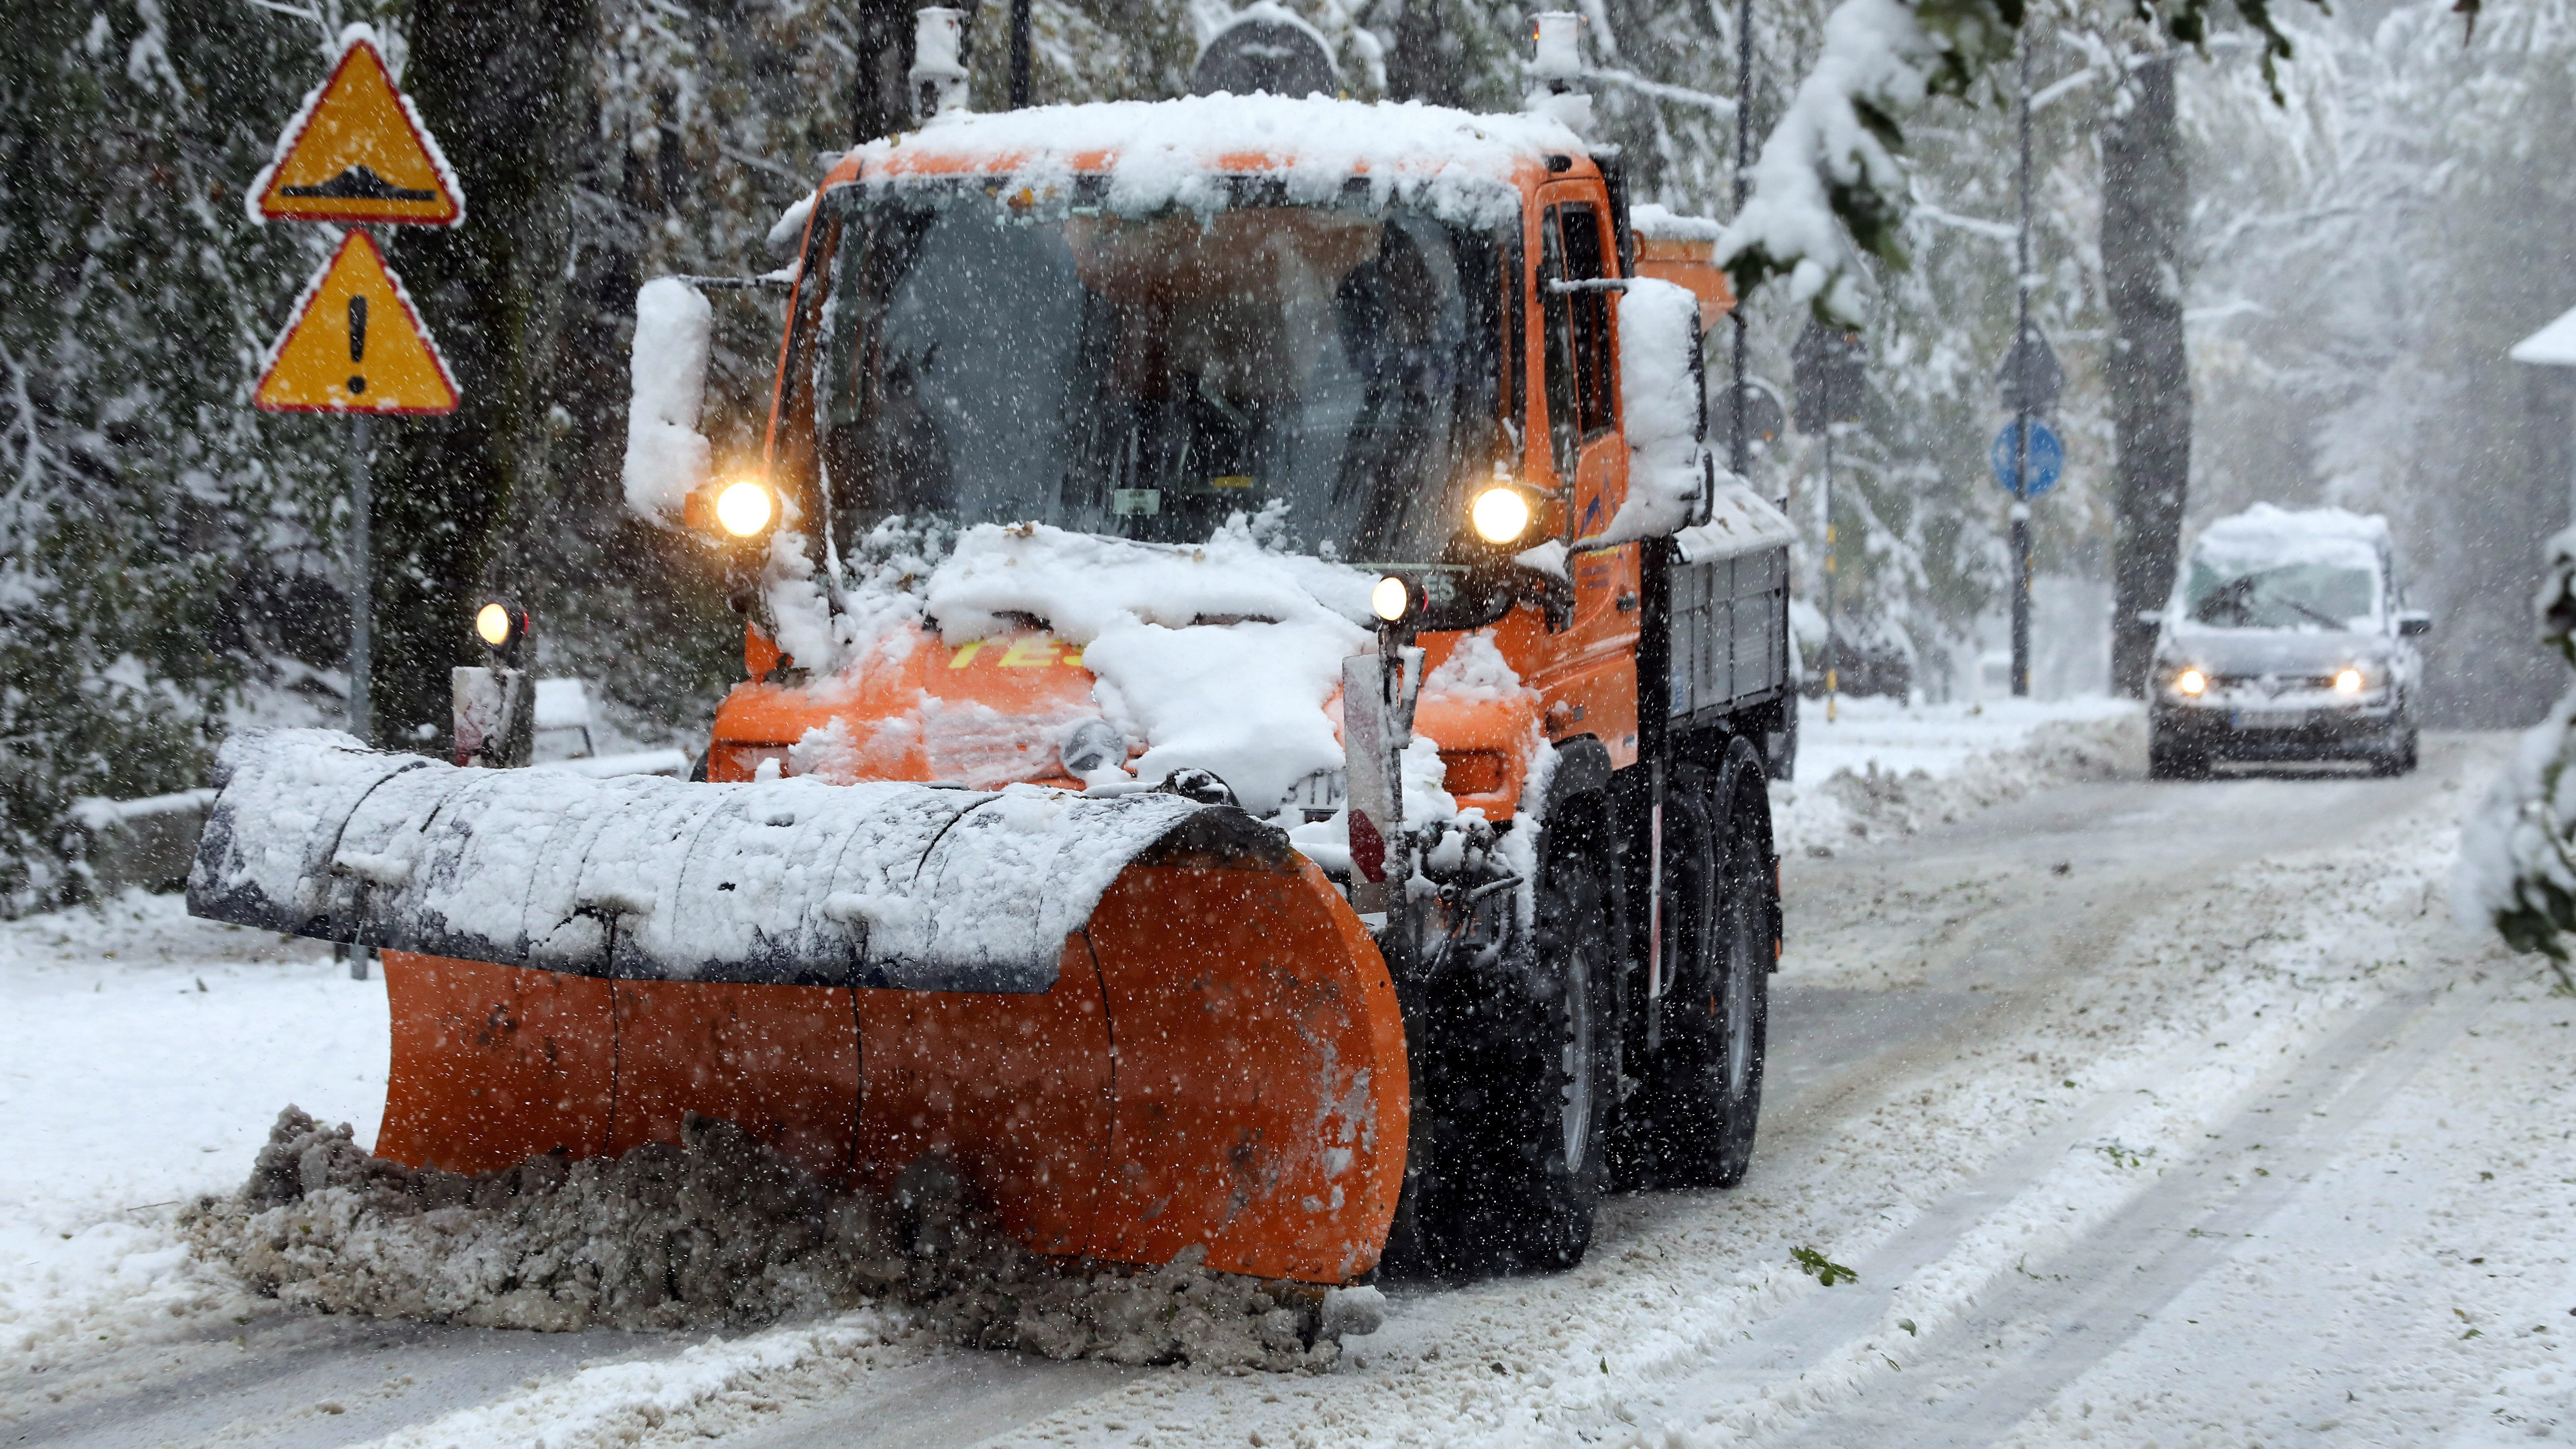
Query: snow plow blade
x,y
1134,1023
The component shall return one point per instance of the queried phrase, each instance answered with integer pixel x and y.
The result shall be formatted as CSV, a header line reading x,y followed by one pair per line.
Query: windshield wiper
x,y
2329,620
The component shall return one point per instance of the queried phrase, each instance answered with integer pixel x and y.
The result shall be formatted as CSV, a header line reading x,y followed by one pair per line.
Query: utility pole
x,y
2021,413
362,594
1833,684
1020,42
1739,455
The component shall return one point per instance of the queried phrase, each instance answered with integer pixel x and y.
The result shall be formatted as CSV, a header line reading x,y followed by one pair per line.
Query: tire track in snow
x,y
2032,1335
1816,1353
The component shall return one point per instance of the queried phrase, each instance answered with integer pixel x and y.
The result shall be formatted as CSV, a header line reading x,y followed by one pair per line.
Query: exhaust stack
x,y
1556,64
938,72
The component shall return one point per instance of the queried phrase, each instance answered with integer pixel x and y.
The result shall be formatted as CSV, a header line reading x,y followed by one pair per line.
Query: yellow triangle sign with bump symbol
x,y
356,152
356,345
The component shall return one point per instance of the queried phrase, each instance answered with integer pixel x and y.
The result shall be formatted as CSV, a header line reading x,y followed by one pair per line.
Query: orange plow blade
x,y
1213,1056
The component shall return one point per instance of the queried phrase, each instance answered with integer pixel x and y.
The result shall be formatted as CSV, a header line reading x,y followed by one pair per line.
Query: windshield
x,y
1145,377
2237,593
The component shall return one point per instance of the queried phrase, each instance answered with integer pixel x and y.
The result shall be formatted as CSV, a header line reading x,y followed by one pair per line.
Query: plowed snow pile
x,y
717,1231
1886,769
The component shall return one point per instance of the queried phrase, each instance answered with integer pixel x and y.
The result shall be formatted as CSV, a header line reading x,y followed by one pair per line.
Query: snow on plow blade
x,y
1135,1023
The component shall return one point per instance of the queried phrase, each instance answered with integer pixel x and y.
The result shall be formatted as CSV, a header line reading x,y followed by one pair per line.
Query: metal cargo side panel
x,y
1698,640
1728,647
1761,655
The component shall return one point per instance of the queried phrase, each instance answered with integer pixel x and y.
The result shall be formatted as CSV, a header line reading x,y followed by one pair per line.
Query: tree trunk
x,y
881,99
502,83
2145,203
1422,65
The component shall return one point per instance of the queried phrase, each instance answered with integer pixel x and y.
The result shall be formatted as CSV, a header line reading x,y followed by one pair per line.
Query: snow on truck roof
x,y
2269,534
1157,154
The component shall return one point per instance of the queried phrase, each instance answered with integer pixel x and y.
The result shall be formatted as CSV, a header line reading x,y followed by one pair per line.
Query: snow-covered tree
x,y
162,548
2517,867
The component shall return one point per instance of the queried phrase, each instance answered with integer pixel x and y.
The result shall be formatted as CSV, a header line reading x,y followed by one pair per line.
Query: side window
x,y
1556,321
1594,370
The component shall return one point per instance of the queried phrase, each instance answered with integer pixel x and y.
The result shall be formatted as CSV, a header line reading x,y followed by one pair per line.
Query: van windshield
x,y
2238,593
1145,377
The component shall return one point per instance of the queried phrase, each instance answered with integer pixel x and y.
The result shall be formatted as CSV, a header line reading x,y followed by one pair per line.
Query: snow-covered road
x,y
2144,1113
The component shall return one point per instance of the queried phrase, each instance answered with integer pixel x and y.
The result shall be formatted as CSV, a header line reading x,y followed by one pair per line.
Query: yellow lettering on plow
x,y
1032,649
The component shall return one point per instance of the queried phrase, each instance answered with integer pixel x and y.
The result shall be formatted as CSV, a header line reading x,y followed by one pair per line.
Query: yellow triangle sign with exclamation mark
x,y
356,345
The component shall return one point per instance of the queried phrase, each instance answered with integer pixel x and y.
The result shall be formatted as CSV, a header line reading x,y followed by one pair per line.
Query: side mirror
x,y
2152,618
2411,622
667,458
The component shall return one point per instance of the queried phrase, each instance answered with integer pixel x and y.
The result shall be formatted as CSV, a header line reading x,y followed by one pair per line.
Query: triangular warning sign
x,y
357,152
356,345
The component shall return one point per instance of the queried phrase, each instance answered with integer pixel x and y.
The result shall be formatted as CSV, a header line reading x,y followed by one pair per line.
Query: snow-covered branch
x,y
1828,186
2517,869
1657,90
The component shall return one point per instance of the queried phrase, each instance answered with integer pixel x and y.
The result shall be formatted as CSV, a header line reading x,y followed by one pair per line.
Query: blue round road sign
x,y
2047,460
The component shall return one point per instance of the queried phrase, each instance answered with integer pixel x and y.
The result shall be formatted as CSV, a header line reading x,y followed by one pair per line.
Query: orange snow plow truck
x,y
1258,710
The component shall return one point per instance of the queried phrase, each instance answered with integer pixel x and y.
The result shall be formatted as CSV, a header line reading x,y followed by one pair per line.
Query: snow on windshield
x,y
986,360
2275,568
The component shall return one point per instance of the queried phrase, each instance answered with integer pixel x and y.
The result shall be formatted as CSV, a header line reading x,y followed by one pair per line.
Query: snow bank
x,y
643,877
1457,165
667,459
141,1054
715,1231
1886,769
1659,392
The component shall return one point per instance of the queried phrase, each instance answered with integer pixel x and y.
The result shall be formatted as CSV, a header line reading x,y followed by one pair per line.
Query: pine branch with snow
x,y
2517,868
1830,186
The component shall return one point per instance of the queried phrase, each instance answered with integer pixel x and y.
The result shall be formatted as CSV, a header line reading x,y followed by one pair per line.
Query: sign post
x,y
2030,380
357,154
1829,381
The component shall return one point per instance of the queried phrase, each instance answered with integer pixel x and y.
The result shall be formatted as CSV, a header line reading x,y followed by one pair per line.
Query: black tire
x,y
1699,1050
1518,1067
2171,760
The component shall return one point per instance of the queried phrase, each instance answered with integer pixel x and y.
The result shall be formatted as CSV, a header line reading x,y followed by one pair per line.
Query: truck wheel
x,y
1520,1070
1692,1120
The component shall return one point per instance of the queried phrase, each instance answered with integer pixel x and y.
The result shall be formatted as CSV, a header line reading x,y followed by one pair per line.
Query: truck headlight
x,y
2349,681
2191,682
745,508
1500,514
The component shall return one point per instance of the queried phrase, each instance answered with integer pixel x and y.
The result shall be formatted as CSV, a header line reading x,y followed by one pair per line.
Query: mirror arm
x,y
781,281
